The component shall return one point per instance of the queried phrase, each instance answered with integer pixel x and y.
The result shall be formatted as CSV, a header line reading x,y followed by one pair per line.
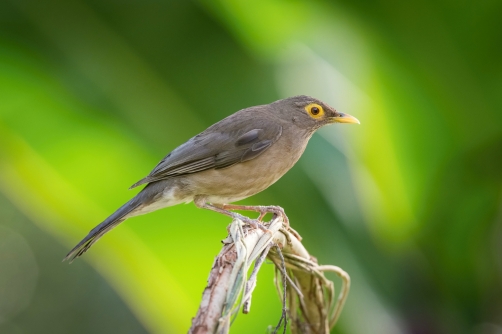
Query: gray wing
x,y
230,141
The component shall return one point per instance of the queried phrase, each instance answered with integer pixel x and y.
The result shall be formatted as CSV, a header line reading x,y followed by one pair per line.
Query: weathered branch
x,y
311,303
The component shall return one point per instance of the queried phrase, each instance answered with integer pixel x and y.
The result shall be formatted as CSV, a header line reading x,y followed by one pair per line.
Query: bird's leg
x,y
200,202
263,214
263,210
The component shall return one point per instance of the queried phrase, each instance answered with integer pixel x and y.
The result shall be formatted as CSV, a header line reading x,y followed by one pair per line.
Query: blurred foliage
x,y
94,93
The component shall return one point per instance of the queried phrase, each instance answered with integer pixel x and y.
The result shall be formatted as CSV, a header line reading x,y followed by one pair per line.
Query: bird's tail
x,y
116,218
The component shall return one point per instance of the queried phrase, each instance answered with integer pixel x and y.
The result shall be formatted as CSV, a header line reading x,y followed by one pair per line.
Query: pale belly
x,y
243,179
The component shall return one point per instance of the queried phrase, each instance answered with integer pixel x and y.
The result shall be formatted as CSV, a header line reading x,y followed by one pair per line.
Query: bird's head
x,y
309,113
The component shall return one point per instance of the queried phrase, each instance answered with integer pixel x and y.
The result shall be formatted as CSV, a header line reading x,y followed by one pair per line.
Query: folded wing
x,y
226,143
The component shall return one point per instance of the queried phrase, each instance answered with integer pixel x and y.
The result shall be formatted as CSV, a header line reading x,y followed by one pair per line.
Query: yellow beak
x,y
344,118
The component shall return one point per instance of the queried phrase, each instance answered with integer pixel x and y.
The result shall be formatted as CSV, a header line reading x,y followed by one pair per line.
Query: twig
x,y
344,291
251,284
284,314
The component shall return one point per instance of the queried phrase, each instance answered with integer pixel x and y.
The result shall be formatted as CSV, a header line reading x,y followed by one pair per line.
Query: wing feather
x,y
230,141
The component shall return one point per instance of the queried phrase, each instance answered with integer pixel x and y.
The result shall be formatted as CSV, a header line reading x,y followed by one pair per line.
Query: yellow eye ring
x,y
314,110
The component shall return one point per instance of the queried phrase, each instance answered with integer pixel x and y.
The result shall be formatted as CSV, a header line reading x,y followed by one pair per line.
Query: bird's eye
x,y
314,110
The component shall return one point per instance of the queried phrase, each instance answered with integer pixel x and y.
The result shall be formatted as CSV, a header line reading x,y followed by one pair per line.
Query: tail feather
x,y
140,182
116,218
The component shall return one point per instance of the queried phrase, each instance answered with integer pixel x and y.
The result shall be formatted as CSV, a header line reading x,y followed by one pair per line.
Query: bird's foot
x,y
200,201
255,223
277,211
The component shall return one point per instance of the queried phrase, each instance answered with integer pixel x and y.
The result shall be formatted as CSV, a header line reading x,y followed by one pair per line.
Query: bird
x,y
233,159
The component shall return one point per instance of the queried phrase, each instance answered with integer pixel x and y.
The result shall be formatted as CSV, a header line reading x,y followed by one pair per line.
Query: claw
x,y
256,223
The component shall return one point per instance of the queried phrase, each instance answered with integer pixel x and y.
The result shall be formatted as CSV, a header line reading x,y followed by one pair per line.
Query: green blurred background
x,y
94,93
